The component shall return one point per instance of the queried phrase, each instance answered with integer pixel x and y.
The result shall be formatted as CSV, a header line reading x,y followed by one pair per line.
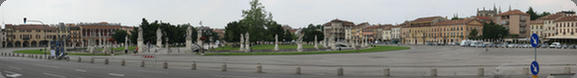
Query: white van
x,y
465,43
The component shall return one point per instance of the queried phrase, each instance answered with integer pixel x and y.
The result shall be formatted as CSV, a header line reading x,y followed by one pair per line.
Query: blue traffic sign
x,y
534,68
534,40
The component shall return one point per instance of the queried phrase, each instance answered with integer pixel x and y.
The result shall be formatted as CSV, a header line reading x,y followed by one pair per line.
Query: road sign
x,y
534,40
534,68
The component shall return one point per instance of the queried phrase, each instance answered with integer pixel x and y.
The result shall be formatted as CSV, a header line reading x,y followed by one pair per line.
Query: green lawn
x,y
374,49
37,51
263,47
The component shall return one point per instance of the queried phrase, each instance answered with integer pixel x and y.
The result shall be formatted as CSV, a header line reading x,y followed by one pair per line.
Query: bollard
x,y
340,71
434,72
123,63
223,69
526,71
298,70
142,63
92,60
259,68
165,65
79,59
481,72
106,61
193,67
387,72
567,69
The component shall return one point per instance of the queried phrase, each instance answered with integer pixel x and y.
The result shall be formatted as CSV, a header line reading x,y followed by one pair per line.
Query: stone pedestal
x,y
188,42
158,37
300,42
241,42
139,41
316,43
276,43
247,43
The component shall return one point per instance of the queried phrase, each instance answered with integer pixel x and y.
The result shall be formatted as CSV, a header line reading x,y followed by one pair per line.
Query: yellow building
x,y
29,35
442,32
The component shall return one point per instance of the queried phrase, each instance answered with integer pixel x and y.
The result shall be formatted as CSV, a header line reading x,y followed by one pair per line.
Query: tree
x,y
311,31
473,34
492,31
174,34
257,22
119,36
532,13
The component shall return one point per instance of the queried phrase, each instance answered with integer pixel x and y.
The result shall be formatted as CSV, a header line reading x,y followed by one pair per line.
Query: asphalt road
x,y
37,68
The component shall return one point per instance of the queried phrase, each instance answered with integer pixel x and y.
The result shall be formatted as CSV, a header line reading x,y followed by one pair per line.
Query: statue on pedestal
x,y
188,42
158,37
247,43
241,42
276,43
139,41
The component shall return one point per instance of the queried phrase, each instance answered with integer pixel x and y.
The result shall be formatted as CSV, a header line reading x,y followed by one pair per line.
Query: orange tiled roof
x,y
552,16
456,22
513,12
426,19
345,23
567,18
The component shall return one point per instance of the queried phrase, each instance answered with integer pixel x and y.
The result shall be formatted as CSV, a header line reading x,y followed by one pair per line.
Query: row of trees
x,y
174,33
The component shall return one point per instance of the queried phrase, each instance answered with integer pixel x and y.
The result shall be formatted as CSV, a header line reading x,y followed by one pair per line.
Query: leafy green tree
x,y
257,22
174,34
119,36
311,31
492,31
473,34
533,14
287,37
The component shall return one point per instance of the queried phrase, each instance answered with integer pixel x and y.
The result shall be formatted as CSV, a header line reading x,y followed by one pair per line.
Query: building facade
x,y
30,35
516,21
443,32
566,30
335,30
99,33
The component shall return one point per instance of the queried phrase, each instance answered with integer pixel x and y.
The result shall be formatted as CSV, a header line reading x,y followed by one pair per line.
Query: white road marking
x,y
80,70
116,74
12,74
54,75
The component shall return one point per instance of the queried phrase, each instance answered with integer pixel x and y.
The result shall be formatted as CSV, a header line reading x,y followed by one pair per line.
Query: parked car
x,y
564,46
511,46
573,46
465,43
544,45
555,45
527,46
501,45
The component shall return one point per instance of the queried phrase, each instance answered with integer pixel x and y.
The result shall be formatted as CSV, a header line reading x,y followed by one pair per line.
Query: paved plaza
x,y
419,61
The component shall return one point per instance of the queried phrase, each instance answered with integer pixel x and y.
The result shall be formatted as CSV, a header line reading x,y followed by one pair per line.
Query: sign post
x,y
534,64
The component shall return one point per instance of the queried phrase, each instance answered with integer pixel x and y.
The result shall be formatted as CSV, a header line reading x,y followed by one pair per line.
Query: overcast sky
x,y
217,13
